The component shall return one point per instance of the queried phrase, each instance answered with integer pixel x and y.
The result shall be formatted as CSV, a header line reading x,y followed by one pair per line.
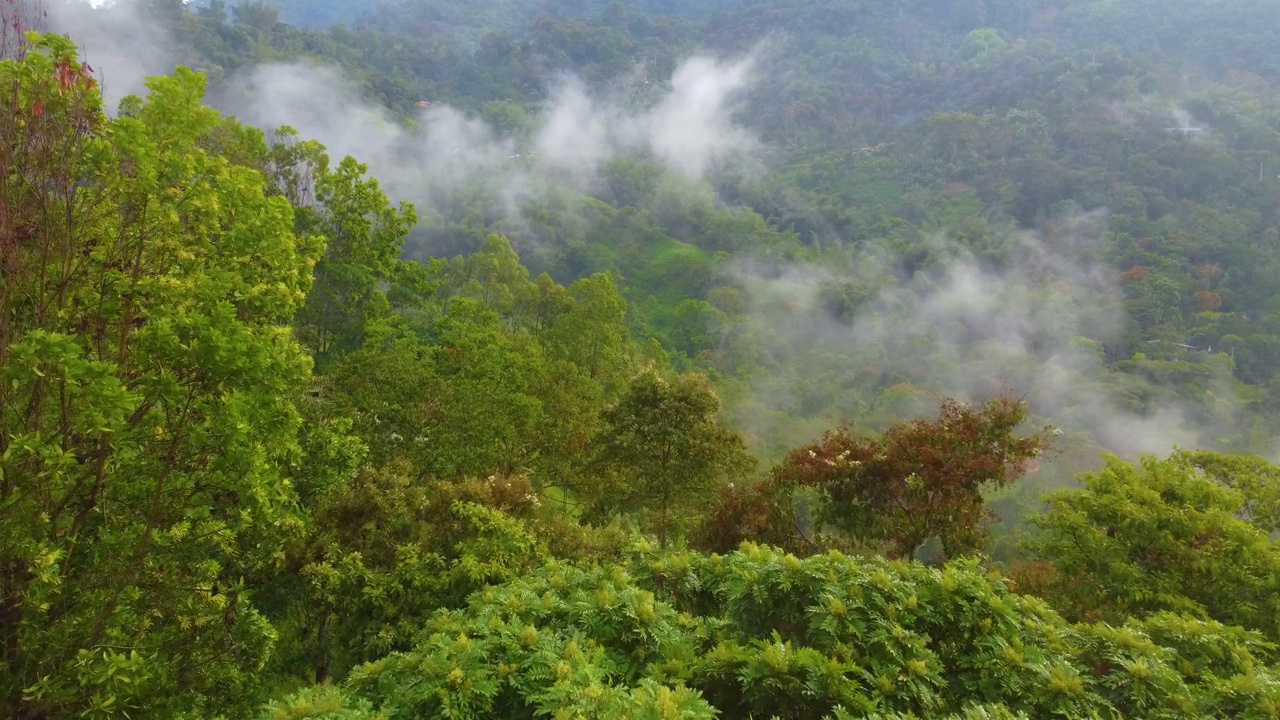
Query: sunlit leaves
x,y
146,376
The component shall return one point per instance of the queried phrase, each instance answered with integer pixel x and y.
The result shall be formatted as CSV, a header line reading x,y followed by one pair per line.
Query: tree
x,y
147,377
588,351
592,332
215,11
922,480
386,392
1159,536
495,276
662,449
983,41
484,410
496,373
364,235
466,404
384,551
261,16
1257,481
955,137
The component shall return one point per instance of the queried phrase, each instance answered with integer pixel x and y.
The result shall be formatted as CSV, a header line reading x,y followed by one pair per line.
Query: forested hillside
x,y
565,358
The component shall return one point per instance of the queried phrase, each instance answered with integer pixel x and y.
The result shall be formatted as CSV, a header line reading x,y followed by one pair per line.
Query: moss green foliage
x,y
363,236
661,450
385,552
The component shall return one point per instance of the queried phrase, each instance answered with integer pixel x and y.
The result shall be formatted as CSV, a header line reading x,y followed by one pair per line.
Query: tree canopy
x,y
147,419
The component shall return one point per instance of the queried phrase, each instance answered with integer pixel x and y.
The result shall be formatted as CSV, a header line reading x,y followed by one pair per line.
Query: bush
x,y
760,633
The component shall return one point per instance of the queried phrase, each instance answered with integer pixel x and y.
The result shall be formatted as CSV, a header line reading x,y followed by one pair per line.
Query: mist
x,y
1033,323
689,126
122,43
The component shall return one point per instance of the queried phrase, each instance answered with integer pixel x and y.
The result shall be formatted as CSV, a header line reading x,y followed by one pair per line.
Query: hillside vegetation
x,y
802,359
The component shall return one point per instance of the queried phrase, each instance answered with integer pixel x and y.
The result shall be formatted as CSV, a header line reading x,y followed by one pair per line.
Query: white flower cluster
x,y
841,459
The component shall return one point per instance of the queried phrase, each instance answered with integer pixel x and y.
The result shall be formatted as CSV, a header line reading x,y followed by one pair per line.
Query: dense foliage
x,y
762,634
1161,536
147,412
673,437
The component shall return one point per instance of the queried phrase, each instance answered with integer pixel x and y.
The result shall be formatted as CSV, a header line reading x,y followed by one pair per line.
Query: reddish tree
x,y
760,512
922,480
1208,275
1137,272
1207,301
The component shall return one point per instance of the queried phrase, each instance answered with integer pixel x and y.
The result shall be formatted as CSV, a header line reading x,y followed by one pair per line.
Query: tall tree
x,y
146,376
662,449
364,234
484,410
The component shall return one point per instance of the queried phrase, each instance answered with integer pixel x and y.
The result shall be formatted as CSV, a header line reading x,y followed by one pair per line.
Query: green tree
x,y
495,276
465,404
364,236
485,411
1158,536
386,392
385,550
588,356
983,41
261,16
147,373
1257,481
496,373
592,332
661,449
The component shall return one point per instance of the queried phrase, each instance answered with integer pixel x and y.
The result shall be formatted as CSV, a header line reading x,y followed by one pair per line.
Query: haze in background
x,y
1001,332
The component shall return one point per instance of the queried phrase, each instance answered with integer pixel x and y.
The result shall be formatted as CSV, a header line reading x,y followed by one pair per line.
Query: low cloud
x,y
688,126
691,127
121,41
1033,323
